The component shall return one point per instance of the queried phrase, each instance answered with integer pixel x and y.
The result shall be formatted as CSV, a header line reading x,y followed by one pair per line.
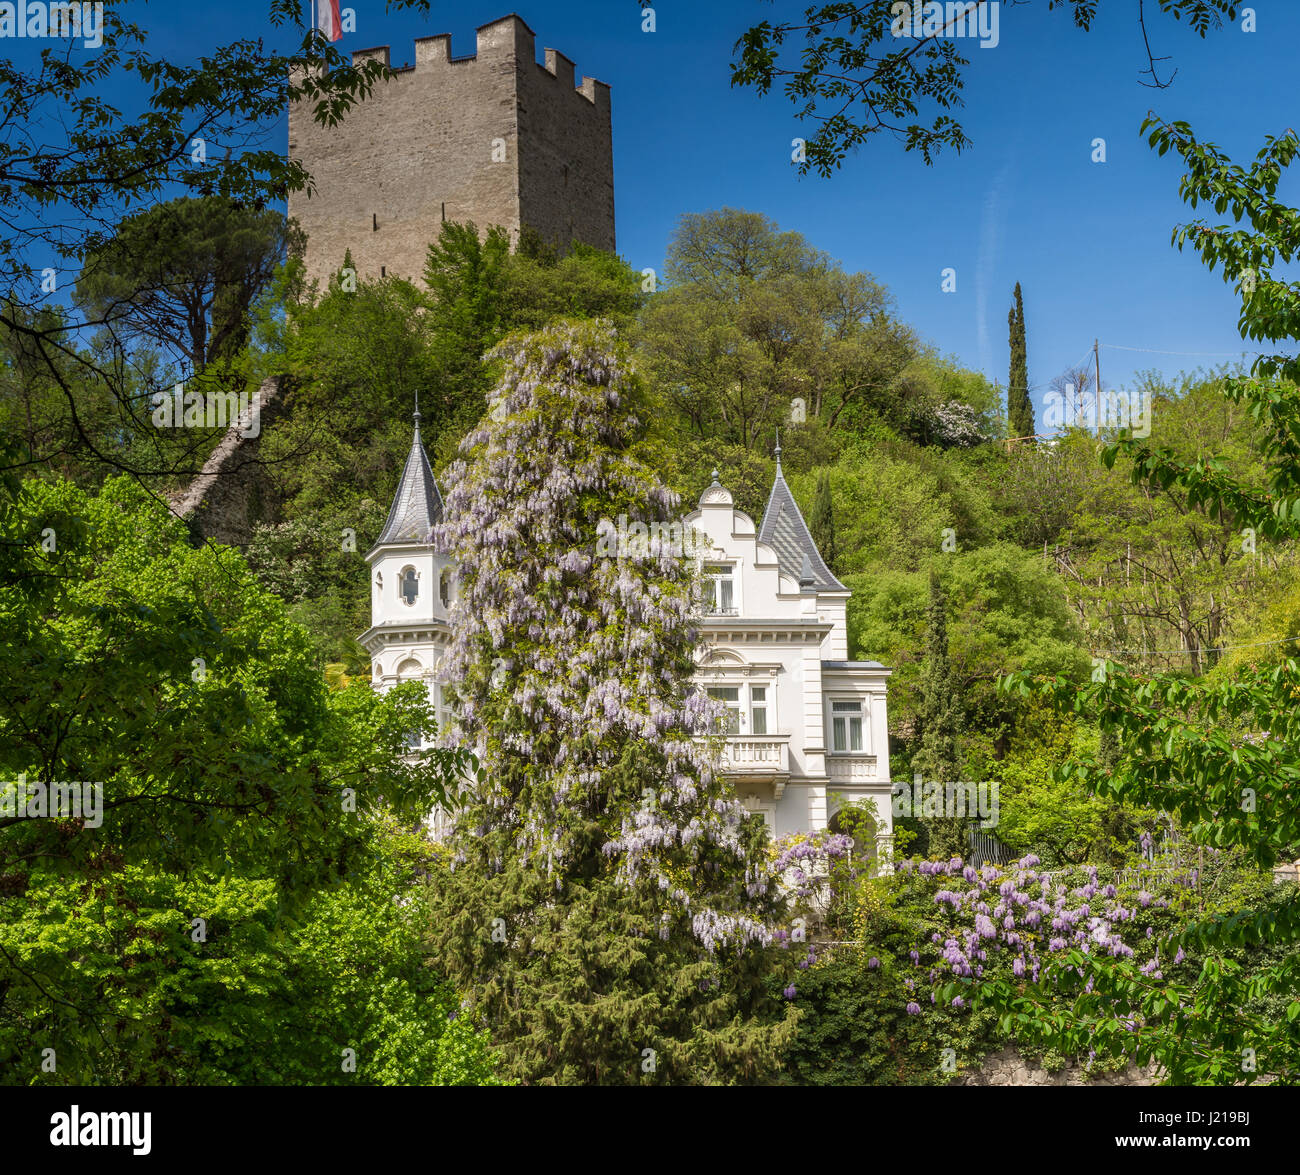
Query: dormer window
x,y
409,586
719,589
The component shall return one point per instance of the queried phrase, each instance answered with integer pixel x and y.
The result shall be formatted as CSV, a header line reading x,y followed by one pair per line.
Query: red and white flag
x,y
328,19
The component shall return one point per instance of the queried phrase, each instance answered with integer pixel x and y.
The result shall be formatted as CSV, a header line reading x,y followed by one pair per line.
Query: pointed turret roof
x,y
784,530
417,505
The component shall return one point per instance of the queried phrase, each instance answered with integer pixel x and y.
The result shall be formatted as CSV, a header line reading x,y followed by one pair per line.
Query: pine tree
x,y
1020,407
822,524
937,759
607,910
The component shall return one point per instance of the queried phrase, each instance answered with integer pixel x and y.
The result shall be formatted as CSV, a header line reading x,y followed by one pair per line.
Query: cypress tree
x,y
822,522
937,759
1020,407
607,905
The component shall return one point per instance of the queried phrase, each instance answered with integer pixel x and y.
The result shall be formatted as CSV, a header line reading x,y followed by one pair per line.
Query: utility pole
x,y
1096,358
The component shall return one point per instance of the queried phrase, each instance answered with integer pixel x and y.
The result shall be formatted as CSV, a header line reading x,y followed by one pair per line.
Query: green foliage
x,y
755,319
185,275
854,1028
232,784
245,996
605,912
1004,609
1059,821
821,522
859,71
1020,407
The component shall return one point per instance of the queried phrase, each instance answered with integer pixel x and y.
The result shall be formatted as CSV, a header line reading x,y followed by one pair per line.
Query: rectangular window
x,y
758,709
846,726
719,590
730,695
442,710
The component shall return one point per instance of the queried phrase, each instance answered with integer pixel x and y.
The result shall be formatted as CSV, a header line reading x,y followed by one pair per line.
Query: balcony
x,y
764,756
851,768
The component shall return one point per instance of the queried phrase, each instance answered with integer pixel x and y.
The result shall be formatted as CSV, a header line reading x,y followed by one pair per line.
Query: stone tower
x,y
495,138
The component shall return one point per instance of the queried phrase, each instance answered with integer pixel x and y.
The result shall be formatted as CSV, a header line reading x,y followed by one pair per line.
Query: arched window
x,y
412,670
408,586
444,587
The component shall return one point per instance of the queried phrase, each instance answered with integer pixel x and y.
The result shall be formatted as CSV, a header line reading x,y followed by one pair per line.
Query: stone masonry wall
x,y
231,493
419,150
1009,1067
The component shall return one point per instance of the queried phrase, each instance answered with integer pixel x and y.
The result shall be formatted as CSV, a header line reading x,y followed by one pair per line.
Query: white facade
x,y
808,729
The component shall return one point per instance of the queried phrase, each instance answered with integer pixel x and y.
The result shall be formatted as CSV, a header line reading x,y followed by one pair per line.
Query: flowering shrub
x,y
598,840
1091,965
957,424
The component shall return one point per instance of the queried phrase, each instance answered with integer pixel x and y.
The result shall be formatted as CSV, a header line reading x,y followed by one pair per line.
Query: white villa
x,y
808,727
808,730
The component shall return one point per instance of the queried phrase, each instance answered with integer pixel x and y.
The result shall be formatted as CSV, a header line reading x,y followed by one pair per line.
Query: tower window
x,y
409,586
444,588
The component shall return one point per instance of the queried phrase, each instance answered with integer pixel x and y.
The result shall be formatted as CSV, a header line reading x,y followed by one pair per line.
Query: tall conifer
x,y
1020,407
822,522
608,904
937,759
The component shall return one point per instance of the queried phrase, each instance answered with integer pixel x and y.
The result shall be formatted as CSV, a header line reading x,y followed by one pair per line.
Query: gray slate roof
x,y
417,505
784,530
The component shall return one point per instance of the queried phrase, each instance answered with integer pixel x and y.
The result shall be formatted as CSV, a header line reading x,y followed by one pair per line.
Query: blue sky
x,y
1089,242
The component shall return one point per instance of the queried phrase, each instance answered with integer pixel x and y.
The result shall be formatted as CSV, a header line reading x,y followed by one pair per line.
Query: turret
x,y
412,585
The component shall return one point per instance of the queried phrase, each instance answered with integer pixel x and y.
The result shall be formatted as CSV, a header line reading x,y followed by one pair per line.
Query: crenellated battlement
x,y
509,37
494,138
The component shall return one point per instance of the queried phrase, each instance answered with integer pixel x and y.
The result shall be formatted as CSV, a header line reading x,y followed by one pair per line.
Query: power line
x,y
1193,354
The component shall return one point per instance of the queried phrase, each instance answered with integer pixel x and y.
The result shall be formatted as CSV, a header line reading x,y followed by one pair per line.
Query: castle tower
x,y
495,138
412,586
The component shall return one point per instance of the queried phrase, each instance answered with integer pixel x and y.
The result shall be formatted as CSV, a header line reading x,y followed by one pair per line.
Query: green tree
x,y
1020,408
220,779
755,319
881,68
607,910
184,276
822,521
1219,753
73,167
342,994
938,758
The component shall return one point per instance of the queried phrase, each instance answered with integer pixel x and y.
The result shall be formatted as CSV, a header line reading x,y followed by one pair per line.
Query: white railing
x,y
757,752
851,769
